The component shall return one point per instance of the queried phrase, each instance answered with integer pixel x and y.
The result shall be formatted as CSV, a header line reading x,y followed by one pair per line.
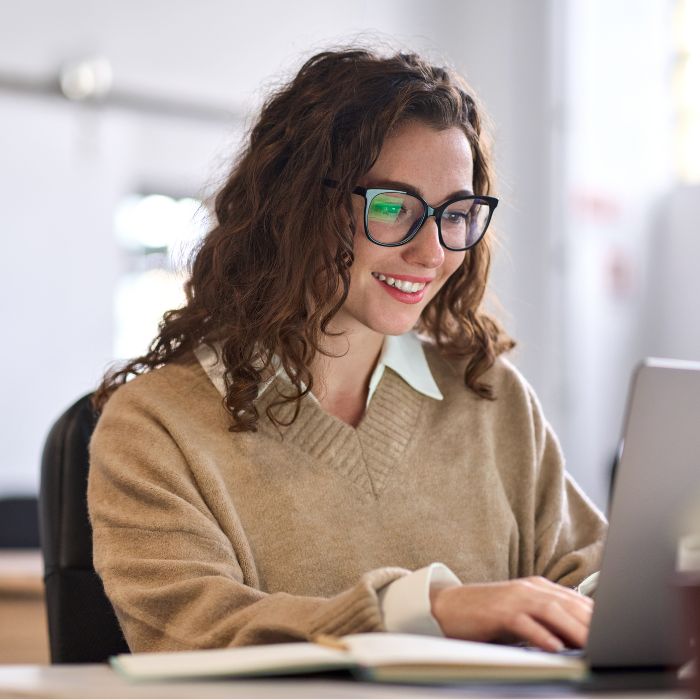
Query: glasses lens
x,y
464,222
392,216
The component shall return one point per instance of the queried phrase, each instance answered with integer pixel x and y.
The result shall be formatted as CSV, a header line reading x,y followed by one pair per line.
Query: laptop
x,y
638,619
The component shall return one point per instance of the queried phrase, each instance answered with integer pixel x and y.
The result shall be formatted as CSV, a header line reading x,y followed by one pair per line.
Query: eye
x,y
388,208
456,217
385,209
460,213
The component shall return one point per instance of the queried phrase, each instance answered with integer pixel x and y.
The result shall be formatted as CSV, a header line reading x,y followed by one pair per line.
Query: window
x,y
157,233
686,81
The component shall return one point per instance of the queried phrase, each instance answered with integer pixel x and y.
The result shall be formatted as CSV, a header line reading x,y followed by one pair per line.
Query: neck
x,y
345,372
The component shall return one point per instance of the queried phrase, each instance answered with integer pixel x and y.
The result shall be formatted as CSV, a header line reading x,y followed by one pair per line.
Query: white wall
x,y
673,292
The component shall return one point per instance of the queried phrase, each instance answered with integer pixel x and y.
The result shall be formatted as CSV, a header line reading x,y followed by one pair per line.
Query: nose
x,y
425,249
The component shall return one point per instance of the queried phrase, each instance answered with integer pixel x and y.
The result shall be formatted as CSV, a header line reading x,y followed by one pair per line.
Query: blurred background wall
x,y
593,120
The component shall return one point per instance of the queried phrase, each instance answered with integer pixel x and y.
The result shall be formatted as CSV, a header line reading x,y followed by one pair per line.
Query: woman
x,y
291,458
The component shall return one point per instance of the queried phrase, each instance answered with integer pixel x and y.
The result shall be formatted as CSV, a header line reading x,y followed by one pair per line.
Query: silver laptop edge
x,y
638,620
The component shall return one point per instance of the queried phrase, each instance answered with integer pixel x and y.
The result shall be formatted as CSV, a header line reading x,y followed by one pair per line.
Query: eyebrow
x,y
411,189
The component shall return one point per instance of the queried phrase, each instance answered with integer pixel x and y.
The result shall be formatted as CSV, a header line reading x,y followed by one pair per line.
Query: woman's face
x,y
437,165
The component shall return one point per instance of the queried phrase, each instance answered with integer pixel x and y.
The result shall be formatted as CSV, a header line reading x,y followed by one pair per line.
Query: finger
x,y
574,597
570,593
562,623
577,606
583,605
530,630
583,613
565,612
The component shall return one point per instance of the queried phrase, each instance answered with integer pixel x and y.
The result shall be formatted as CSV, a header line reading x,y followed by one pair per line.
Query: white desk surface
x,y
99,681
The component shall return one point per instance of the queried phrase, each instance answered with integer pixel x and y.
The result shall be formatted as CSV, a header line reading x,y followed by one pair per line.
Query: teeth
x,y
404,286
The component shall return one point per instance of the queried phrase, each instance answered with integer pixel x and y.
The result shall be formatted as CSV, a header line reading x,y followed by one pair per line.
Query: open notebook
x,y
373,656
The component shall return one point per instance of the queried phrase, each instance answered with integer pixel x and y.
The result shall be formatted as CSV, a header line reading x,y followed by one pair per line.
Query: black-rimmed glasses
x,y
394,217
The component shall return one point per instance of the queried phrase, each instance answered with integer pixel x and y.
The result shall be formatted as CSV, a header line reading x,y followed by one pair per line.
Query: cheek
x,y
453,261
367,255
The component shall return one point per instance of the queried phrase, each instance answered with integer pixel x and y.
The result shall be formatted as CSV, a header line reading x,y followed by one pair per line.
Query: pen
x,y
330,642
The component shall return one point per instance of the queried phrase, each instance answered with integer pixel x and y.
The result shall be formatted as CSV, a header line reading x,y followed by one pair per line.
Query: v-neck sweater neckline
x,y
368,454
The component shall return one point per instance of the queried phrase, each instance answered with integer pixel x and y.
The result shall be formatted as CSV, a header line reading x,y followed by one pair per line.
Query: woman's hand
x,y
533,610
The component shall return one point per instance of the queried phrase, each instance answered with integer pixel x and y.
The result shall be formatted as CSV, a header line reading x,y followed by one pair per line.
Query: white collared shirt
x,y
404,354
405,603
401,353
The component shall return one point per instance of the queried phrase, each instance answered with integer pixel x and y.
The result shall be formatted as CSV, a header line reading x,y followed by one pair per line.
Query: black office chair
x,y
82,625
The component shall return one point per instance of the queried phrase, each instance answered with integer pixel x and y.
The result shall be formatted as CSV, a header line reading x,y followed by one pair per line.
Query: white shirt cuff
x,y
405,602
588,585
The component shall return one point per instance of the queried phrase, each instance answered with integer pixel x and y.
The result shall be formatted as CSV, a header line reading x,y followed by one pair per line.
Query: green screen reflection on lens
x,y
385,209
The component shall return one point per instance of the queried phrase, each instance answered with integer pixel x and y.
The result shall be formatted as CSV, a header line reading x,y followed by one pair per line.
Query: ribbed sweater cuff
x,y
356,610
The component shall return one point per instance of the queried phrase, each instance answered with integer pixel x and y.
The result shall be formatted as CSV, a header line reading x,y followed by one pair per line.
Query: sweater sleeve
x,y
172,575
569,529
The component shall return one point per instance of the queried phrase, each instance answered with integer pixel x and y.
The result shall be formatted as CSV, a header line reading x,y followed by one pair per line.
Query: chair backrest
x,y
82,625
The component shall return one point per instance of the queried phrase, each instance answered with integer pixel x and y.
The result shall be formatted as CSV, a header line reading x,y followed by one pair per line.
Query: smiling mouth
x,y
402,285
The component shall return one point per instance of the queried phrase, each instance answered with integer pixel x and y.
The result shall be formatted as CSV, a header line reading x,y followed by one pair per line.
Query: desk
x,y
99,681
23,632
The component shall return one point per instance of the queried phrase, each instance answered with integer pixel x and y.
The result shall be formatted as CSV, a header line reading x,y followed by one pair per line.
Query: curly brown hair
x,y
282,245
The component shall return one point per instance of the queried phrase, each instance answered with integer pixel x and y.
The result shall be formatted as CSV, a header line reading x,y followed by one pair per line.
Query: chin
x,y
393,326
378,316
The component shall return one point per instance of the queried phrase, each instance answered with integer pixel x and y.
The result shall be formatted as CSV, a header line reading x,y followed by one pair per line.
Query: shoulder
x,y
503,376
515,408
154,425
178,388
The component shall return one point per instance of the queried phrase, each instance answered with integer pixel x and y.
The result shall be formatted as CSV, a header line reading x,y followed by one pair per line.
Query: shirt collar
x,y
403,354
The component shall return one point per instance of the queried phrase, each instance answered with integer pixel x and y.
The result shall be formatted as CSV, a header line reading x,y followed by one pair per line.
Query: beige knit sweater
x,y
206,538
